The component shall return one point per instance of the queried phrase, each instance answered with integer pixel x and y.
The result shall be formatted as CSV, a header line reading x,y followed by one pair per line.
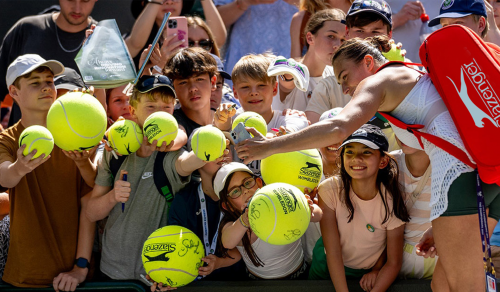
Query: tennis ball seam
x,y
69,124
171,269
113,143
159,138
135,132
275,217
33,142
308,155
180,233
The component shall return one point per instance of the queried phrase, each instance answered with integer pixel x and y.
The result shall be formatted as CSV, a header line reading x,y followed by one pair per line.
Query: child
x,y
324,33
45,193
145,209
357,227
235,184
117,101
222,93
415,171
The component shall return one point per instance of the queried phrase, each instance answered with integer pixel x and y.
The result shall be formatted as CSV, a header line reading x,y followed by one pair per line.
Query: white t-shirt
x,y
327,95
298,99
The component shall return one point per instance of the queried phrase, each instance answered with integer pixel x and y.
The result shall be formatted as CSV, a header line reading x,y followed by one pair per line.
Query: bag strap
x,y
406,64
114,164
160,178
420,186
439,142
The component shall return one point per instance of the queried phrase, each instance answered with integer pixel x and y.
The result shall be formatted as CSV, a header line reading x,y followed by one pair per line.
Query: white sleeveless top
x,y
279,260
423,105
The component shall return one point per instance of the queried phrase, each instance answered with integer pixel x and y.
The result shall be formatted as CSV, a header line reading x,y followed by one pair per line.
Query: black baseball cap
x,y
220,68
379,7
69,79
459,8
149,82
369,135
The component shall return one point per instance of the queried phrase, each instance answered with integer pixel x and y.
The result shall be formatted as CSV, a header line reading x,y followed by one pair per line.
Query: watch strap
x,y
82,263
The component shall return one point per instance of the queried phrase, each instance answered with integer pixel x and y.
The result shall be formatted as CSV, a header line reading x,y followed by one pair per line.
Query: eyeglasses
x,y
204,44
284,78
236,192
157,79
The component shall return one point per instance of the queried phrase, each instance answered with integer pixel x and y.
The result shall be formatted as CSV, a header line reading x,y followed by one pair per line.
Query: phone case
x,y
240,134
178,25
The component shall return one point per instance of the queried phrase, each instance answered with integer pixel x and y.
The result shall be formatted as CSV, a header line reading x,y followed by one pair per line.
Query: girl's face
x,y
362,162
350,74
242,180
118,104
330,153
327,40
172,6
496,11
198,37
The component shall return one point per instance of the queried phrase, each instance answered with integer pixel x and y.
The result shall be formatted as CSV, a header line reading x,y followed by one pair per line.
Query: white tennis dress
x,y
423,105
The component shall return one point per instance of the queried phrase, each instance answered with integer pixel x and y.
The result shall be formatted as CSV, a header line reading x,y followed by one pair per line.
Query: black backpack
x,y
160,178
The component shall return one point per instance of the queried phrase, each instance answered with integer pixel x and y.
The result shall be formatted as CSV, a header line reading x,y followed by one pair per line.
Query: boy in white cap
x,y
48,236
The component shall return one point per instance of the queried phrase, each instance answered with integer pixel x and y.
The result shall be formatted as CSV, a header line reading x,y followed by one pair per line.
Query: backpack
x,y
466,77
159,176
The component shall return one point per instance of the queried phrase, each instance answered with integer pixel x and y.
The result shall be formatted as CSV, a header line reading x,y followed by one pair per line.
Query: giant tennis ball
x,y
251,119
172,255
161,126
394,54
208,143
279,213
125,137
77,121
302,169
39,138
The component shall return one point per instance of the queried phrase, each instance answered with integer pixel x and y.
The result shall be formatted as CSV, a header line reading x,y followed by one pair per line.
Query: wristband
x,y
243,223
158,69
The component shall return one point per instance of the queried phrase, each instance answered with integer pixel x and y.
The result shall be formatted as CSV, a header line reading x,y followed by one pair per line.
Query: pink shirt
x,y
363,239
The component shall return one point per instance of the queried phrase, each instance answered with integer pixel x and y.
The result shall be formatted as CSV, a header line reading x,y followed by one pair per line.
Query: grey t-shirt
x,y
145,211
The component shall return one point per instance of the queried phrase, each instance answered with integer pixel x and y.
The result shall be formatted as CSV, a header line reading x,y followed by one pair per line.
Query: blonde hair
x,y
313,5
193,21
476,19
164,93
253,67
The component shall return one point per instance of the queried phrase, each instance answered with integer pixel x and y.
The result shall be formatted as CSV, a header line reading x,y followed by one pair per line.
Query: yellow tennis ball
x,y
125,137
279,213
394,54
160,126
208,143
251,119
302,169
39,138
77,121
172,255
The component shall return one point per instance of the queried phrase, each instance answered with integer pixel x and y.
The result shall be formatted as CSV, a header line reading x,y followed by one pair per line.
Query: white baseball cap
x,y
282,65
330,113
26,63
224,172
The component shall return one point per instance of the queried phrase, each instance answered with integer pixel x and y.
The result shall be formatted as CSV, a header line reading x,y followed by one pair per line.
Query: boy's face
x,y
255,95
36,93
216,97
467,21
146,107
370,30
194,92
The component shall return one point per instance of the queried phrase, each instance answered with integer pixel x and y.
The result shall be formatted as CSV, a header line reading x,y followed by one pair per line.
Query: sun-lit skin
x,y
146,107
360,161
237,180
36,93
216,97
329,157
373,29
118,104
350,74
174,7
256,96
467,21
197,33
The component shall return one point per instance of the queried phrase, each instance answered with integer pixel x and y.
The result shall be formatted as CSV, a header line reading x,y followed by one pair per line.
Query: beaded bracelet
x,y
243,223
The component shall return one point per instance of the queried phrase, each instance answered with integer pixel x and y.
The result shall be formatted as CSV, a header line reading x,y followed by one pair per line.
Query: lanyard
x,y
204,213
483,226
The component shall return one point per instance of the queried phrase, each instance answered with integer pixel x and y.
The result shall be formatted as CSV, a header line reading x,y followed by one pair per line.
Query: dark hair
x,y
230,215
356,49
319,18
189,62
365,18
388,177
41,69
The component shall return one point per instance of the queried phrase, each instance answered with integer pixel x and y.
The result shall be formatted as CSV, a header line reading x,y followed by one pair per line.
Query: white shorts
x,y
415,266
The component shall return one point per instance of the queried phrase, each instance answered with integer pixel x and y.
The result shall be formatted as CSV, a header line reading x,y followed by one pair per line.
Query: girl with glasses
x,y
236,184
200,35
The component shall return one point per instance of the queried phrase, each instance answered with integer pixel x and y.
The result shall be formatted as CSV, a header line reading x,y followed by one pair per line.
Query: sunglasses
x,y
150,80
283,77
204,44
236,192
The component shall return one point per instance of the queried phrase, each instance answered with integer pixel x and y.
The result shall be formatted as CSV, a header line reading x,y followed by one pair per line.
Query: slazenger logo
x,y
447,4
310,172
485,91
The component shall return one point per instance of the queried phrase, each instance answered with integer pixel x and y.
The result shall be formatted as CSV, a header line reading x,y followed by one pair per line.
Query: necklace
x,y
64,49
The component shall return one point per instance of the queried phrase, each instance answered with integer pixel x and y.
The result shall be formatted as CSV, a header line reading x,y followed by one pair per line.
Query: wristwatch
x,y
82,263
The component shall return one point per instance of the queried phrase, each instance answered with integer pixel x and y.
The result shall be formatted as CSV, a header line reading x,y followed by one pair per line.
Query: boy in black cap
x,y
368,18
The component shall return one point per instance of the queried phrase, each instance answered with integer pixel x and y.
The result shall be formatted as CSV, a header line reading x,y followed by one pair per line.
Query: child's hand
x,y
426,246
122,189
154,60
24,164
398,46
368,280
224,113
159,286
88,32
170,44
211,261
80,157
147,148
281,131
293,112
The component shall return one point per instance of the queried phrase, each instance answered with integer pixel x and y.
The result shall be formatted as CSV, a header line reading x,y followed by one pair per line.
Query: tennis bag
x,y
466,73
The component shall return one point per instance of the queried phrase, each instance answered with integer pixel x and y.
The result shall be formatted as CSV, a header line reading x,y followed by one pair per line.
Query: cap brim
x,y
280,70
220,182
225,75
437,20
371,11
56,67
362,141
67,86
156,85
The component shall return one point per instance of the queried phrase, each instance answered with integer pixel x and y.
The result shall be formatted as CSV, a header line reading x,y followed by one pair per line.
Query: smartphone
x,y
240,134
146,281
178,25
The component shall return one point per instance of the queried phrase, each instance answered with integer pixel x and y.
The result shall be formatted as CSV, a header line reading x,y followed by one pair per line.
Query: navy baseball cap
x,y
379,7
459,8
369,135
149,82
220,68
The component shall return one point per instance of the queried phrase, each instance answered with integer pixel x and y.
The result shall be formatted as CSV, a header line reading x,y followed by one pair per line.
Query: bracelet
x,y
158,69
239,5
243,223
